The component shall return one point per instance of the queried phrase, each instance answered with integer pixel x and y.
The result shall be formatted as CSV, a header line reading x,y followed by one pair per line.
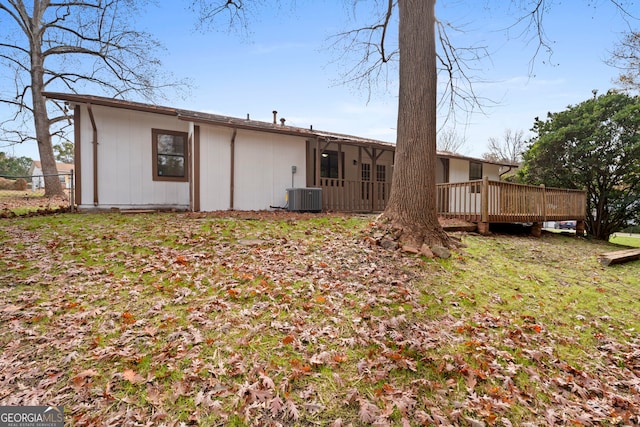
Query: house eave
x,y
449,155
239,123
110,102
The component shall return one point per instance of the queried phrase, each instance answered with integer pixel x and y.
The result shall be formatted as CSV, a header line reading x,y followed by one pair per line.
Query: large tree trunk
x,y
412,203
52,184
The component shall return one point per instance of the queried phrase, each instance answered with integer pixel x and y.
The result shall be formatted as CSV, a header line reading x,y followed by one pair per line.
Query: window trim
x,y
154,150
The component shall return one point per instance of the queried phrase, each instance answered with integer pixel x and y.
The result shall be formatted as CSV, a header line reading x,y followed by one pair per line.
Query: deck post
x,y
536,229
544,202
580,228
483,226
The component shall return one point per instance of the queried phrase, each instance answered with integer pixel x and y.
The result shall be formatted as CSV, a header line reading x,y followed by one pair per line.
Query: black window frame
x,y
329,168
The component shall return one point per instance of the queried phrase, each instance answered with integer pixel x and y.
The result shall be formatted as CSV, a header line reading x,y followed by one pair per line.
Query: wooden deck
x,y
503,202
481,201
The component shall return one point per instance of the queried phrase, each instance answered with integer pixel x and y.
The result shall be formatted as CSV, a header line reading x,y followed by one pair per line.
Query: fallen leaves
x,y
196,319
132,376
128,318
83,378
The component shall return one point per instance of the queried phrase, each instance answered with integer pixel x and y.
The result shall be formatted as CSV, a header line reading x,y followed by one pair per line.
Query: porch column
x,y
316,179
374,179
359,200
340,168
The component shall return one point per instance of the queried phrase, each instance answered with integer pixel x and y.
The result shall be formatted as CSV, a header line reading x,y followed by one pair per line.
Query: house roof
x,y
239,123
62,167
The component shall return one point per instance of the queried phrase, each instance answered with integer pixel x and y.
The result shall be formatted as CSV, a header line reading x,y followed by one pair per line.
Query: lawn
x,y
626,239
282,319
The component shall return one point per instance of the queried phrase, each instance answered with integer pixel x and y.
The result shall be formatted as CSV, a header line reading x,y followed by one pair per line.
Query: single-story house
x,y
65,170
130,155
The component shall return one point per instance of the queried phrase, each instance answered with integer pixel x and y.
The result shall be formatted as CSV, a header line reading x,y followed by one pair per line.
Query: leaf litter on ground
x,y
295,319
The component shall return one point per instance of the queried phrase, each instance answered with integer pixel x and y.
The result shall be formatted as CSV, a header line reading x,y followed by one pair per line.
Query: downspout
x,y
196,168
233,167
505,172
95,155
77,154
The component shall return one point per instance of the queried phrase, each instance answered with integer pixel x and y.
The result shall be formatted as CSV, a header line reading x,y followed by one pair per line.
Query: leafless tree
x,y
69,45
626,57
508,149
450,140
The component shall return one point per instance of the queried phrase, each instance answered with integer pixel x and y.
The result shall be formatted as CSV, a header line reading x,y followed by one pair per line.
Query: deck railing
x,y
354,196
474,201
496,201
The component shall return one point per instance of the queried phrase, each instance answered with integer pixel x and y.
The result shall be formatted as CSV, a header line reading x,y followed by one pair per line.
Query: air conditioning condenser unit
x,y
304,199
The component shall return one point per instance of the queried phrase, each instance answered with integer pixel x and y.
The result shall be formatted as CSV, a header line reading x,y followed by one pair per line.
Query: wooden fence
x,y
495,201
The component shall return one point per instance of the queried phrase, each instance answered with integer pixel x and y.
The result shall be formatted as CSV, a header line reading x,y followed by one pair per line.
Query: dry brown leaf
x,y
131,376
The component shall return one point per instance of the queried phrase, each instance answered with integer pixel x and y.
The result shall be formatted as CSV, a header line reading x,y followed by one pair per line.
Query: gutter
x,y
95,155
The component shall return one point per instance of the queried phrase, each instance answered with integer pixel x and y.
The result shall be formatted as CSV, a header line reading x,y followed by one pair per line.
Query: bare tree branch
x,y
233,12
509,149
450,141
458,93
72,46
626,58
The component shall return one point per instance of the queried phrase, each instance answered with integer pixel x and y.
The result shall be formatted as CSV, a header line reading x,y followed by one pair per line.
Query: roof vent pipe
x,y
275,117
310,127
247,116
282,121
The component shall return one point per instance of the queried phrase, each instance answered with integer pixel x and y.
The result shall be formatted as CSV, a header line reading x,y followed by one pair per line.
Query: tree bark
x,y
52,185
412,202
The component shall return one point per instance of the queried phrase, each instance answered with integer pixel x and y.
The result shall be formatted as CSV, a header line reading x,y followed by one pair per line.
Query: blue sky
x,y
286,63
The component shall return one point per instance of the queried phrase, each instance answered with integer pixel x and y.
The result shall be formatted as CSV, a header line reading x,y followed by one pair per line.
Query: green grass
x,y
625,240
221,317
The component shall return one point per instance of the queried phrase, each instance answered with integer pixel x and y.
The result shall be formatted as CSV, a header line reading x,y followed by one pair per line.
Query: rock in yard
x,y
426,251
410,249
389,244
441,252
